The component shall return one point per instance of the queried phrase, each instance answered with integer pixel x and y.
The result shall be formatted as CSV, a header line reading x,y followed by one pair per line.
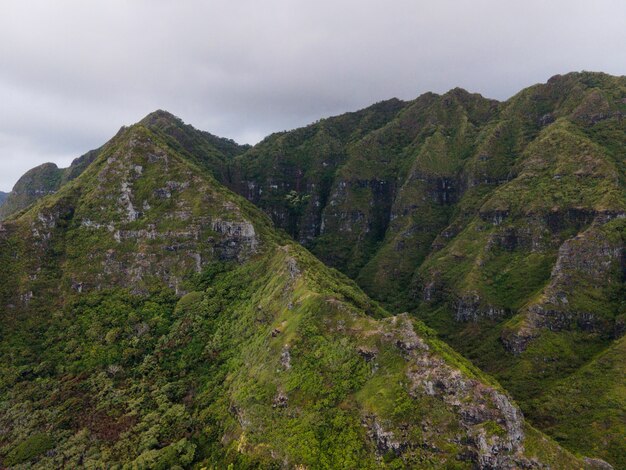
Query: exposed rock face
x,y
587,259
597,464
469,308
238,239
304,162
139,235
280,400
479,409
285,358
385,441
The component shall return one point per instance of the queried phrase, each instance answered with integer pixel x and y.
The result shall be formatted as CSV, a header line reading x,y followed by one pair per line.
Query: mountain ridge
x,y
499,224
153,318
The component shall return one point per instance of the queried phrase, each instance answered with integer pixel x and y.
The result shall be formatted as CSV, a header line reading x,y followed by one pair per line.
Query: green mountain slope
x,y
41,181
499,224
531,286
203,148
151,318
593,418
334,185
290,175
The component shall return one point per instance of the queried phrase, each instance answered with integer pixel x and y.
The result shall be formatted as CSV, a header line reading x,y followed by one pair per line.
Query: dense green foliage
x,y
153,318
493,222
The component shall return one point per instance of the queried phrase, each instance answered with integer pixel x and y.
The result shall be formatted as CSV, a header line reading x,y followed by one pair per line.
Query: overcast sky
x,y
73,72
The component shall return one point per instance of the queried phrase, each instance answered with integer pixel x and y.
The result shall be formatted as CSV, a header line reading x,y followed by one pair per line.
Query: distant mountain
x,y
41,181
501,225
3,197
151,318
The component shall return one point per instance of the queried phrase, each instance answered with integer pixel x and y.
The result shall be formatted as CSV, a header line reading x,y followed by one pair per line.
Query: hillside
x,y
501,225
152,318
202,148
41,181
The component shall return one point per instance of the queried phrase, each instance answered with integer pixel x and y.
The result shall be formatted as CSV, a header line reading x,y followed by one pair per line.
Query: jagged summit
x,y
138,190
202,148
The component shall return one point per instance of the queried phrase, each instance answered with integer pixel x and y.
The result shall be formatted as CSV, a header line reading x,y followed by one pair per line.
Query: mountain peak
x,y
141,194
160,117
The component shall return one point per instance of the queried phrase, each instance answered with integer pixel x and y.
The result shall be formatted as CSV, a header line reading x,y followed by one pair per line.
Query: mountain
x,y
152,318
200,147
529,282
41,181
205,150
3,197
501,225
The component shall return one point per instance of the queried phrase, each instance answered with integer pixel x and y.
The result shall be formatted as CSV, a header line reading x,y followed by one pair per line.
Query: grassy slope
x,y
594,419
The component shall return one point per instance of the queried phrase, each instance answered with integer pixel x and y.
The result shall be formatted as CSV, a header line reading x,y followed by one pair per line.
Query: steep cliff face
x,y
573,299
292,175
349,185
531,286
152,318
483,218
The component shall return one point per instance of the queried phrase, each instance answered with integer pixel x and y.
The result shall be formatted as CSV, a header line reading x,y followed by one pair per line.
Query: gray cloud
x,y
73,72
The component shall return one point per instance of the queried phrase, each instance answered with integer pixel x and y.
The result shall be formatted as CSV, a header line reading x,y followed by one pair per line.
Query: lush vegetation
x,y
186,331
460,209
153,319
